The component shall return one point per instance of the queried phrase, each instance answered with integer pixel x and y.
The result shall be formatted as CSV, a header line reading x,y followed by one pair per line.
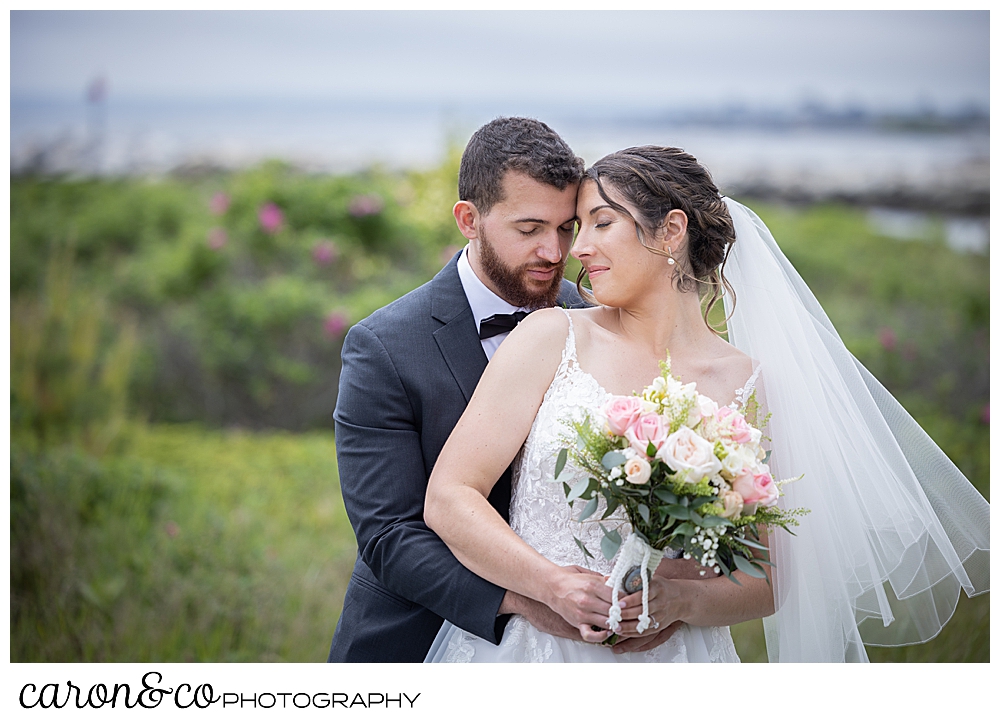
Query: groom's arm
x,y
383,483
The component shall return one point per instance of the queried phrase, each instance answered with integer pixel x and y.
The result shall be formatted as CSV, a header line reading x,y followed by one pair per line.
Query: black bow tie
x,y
500,324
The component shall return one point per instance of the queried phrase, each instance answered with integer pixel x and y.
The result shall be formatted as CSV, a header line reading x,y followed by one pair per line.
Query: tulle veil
x,y
895,531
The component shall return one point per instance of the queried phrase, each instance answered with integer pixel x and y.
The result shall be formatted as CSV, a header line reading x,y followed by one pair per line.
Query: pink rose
x,y
647,428
733,425
622,412
756,489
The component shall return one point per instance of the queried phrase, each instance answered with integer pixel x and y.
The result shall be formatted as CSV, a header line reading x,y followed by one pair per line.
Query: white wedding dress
x,y
540,516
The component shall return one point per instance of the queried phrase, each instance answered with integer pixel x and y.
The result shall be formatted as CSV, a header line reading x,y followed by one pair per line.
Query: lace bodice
x,y
538,510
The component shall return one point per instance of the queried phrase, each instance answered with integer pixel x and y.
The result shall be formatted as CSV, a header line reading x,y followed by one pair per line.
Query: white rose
x,y
706,406
733,462
687,453
637,470
732,503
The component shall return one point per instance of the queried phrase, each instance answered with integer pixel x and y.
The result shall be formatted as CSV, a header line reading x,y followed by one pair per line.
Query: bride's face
x,y
620,268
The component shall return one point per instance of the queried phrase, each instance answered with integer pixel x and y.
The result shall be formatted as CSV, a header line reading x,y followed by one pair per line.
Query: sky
x,y
602,62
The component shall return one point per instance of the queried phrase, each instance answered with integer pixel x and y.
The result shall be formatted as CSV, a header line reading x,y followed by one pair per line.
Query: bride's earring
x,y
670,257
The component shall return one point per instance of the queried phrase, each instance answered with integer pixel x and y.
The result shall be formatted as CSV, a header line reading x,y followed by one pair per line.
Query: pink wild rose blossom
x,y
217,239
219,203
270,217
335,324
368,205
325,252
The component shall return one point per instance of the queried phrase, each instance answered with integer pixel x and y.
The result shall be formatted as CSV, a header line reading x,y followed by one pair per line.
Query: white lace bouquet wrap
x,y
690,475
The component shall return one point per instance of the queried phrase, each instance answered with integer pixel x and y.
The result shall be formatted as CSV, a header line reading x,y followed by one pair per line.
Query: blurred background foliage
x,y
174,361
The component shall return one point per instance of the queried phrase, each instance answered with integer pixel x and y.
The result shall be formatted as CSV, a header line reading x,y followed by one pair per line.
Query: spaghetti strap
x,y
569,351
744,392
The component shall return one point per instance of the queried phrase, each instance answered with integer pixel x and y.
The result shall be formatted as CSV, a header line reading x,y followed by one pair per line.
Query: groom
x,y
408,372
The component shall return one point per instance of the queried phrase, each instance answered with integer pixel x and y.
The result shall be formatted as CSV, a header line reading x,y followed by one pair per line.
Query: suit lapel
x,y
458,338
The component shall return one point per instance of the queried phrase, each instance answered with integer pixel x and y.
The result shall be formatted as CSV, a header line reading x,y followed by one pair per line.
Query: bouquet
x,y
690,475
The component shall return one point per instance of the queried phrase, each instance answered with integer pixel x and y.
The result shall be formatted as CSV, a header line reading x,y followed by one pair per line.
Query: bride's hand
x,y
582,599
667,604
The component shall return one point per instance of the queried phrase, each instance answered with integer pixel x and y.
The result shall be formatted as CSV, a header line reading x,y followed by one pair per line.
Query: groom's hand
x,y
646,642
544,618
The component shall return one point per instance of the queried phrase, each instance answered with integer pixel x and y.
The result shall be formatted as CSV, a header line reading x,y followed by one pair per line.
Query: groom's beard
x,y
514,284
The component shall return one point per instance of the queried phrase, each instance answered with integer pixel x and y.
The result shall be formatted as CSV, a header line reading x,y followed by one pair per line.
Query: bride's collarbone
x,y
621,369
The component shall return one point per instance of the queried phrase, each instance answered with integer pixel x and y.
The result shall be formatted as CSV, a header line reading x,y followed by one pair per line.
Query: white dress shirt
x,y
484,302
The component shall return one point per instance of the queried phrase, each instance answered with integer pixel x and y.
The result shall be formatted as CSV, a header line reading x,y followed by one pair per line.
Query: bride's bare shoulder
x,y
542,330
731,364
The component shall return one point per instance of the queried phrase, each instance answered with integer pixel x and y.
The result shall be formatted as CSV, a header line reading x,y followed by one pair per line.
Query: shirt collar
x,y
484,302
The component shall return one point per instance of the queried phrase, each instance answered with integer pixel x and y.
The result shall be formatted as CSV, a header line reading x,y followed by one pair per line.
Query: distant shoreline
x,y
921,163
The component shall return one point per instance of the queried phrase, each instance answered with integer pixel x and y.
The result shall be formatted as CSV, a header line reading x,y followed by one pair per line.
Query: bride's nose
x,y
581,246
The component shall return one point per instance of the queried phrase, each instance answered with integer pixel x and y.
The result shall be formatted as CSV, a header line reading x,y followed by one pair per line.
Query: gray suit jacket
x,y
408,373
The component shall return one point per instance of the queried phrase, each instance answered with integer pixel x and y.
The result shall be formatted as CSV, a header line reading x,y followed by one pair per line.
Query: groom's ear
x,y
466,215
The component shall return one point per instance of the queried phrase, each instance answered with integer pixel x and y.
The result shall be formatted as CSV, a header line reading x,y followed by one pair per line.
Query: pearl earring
x,y
670,257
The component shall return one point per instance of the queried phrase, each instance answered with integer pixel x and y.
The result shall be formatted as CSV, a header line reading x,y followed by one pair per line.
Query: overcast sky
x,y
652,60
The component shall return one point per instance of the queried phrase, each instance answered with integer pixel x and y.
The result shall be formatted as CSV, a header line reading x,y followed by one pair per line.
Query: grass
x,y
221,546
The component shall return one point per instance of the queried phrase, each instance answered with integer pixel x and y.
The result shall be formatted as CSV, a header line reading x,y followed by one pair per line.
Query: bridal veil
x,y
895,531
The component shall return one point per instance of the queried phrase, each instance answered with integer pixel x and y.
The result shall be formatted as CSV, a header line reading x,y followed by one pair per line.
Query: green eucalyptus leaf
x,y
583,547
755,545
644,513
727,572
745,566
610,545
590,509
697,519
666,496
686,529
578,489
612,459
714,521
681,513
612,506
561,461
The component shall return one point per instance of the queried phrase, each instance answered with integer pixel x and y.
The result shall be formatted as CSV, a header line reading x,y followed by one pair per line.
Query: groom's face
x,y
522,244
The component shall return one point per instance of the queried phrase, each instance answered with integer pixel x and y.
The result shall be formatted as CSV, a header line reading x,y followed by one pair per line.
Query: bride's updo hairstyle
x,y
655,180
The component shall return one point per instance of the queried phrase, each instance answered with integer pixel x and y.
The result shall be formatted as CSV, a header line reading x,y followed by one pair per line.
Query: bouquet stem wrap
x,y
635,552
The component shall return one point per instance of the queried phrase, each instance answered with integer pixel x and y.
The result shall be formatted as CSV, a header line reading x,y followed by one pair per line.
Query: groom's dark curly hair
x,y
514,144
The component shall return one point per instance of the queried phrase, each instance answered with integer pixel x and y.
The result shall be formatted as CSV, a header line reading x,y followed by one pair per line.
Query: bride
x,y
894,532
